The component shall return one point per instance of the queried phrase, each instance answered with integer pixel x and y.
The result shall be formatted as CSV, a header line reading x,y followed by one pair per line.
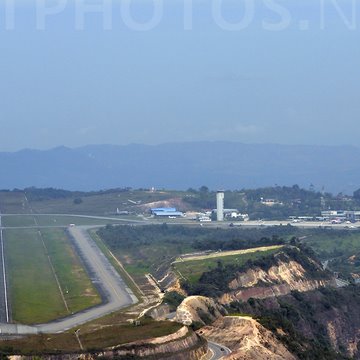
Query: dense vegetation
x,y
173,299
35,194
123,237
198,238
152,248
300,320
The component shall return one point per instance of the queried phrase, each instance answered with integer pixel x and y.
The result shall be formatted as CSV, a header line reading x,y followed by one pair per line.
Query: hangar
x,y
166,212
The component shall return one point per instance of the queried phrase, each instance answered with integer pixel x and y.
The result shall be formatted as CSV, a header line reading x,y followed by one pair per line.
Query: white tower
x,y
220,206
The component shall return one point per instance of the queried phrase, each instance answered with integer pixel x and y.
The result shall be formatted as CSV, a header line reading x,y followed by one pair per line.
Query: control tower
x,y
220,206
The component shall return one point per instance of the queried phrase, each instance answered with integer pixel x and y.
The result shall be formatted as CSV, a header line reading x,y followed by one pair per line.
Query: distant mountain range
x,y
225,165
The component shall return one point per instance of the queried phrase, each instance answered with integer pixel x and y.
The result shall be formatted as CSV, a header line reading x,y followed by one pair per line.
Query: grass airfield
x,y
33,261
54,220
37,247
46,278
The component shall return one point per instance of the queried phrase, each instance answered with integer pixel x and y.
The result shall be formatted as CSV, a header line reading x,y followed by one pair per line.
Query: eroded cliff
x,y
274,275
294,309
286,274
247,339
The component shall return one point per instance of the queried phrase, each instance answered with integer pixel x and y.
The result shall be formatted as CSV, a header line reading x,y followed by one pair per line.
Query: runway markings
x,y
7,315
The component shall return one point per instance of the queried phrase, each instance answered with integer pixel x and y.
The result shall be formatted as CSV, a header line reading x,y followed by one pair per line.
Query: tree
x,y
357,194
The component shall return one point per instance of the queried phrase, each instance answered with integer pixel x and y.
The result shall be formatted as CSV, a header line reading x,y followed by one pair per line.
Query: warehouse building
x,y
166,212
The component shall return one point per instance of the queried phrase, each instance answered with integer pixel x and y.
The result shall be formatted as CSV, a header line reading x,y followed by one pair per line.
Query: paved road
x,y
150,221
260,224
217,351
304,224
116,293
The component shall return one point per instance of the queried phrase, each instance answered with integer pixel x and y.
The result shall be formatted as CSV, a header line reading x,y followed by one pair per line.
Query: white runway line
x,y
4,273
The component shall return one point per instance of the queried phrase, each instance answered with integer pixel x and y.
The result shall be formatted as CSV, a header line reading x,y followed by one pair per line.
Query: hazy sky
x,y
249,71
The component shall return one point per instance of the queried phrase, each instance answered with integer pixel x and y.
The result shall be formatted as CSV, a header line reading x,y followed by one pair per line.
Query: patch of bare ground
x,y
176,202
246,338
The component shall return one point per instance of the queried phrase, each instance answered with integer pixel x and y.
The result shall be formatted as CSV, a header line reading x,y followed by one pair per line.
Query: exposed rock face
x,y
177,287
160,312
246,338
170,282
280,279
290,273
198,309
180,345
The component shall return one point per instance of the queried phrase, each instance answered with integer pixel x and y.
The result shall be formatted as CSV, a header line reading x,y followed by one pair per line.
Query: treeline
x,y
202,239
233,242
36,194
122,237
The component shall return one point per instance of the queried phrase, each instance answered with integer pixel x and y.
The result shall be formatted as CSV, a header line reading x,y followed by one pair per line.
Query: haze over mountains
x,y
225,165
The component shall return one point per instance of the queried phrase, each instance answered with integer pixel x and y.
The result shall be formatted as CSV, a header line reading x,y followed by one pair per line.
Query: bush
x,y
173,299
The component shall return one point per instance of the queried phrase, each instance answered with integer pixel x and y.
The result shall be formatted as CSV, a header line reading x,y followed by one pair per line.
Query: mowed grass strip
x,y
17,220
59,220
228,253
34,295
53,220
13,202
78,290
192,270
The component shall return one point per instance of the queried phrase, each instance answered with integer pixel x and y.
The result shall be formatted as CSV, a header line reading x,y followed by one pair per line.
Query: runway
x,y
116,294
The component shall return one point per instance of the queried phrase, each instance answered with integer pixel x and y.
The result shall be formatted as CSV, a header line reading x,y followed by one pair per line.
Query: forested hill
x,y
183,165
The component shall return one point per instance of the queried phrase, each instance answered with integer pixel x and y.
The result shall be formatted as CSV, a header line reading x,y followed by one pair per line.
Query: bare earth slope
x,y
243,335
247,339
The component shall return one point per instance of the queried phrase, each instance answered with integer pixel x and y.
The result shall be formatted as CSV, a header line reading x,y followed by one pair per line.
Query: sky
x,y
77,72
